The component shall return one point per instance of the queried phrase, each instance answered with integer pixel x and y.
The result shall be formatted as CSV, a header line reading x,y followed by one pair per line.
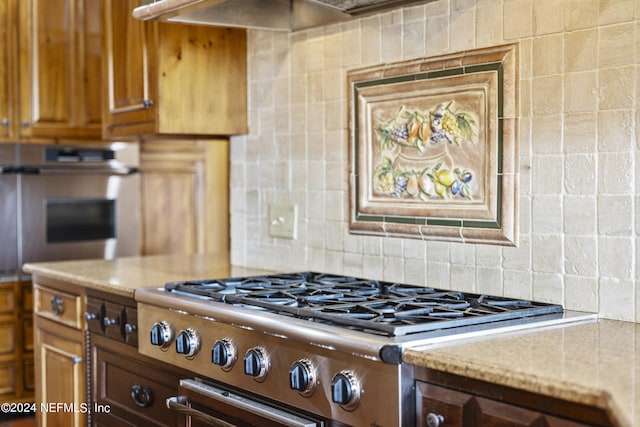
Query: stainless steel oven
x,y
8,212
71,203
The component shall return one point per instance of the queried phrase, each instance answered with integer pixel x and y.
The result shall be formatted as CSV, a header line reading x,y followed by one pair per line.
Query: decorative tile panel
x,y
433,147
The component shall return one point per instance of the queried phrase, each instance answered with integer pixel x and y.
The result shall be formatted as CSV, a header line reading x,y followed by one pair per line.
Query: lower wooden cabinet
x,y
16,342
59,354
130,389
444,400
60,370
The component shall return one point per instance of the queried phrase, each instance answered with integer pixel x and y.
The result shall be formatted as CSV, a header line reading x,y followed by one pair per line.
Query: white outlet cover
x,y
283,221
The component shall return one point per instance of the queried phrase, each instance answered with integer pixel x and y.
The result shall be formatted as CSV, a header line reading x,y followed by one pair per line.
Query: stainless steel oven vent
x,y
279,15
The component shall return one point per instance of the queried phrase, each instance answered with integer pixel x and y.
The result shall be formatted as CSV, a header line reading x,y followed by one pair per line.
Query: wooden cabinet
x,y
50,70
16,342
185,184
60,365
178,79
59,44
447,400
8,17
128,389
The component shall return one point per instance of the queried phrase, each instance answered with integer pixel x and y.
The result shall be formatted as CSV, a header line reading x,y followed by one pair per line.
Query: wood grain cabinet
x,y
127,389
16,342
59,44
8,17
444,400
171,79
185,184
60,360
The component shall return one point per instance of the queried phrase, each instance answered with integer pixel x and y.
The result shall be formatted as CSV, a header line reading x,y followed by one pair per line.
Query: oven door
x,y
203,404
79,214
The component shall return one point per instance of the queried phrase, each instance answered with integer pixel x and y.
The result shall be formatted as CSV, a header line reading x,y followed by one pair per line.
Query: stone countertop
x,y
123,276
596,364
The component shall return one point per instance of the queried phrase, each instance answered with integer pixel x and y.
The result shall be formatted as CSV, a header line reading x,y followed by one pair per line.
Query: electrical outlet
x,y
283,221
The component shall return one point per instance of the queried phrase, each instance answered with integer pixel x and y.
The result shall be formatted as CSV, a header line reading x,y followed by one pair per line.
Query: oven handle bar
x,y
178,403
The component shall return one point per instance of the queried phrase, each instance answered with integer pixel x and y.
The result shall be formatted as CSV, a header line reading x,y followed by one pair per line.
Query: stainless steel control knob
x,y
256,364
302,377
187,343
223,353
434,420
345,390
161,334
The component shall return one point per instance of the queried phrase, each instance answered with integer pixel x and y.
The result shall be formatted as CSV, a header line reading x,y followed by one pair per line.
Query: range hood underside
x,y
280,15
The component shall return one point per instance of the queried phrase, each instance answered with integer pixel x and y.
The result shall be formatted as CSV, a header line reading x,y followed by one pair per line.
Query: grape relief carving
x,y
415,161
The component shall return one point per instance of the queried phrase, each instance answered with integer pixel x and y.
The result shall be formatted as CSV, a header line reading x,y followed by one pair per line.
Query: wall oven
x,y
72,203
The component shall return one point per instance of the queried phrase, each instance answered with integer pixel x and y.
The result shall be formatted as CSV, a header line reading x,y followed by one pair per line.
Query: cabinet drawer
x,y
7,338
7,378
7,299
133,389
59,306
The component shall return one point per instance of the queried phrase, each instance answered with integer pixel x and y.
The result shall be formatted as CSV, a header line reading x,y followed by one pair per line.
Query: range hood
x,y
280,15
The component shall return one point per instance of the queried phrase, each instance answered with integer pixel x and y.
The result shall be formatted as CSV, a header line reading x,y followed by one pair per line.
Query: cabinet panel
x,y
454,407
7,338
171,79
7,20
7,378
185,184
59,58
126,72
59,350
7,298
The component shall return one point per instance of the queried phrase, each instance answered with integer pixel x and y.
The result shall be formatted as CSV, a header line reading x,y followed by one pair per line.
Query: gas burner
x,y
372,306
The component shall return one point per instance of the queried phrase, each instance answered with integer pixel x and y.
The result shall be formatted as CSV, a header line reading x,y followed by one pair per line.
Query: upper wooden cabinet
x,y
171,79
7,24
59,45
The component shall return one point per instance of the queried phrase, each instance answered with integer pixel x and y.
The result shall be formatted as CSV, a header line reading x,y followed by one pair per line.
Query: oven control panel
x,y
311,377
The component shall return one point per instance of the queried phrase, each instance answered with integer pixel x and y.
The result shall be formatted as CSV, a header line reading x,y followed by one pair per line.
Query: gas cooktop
x,y
372,306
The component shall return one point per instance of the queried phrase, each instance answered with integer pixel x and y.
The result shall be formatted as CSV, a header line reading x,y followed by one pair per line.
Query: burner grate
x,y
386,308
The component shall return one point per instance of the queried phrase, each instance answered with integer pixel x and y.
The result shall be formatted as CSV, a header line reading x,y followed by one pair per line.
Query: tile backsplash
x,y
578,138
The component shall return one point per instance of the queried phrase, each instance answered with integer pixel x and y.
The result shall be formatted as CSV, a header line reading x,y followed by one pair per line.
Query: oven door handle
x,y
237,402
177,403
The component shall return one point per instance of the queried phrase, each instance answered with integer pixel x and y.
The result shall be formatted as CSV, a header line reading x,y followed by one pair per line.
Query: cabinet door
x,y
60,374
185,186
60,63
6,24
129,91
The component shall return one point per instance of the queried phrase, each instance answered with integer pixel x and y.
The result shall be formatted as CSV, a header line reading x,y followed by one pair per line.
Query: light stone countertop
x,y
596,364
123,276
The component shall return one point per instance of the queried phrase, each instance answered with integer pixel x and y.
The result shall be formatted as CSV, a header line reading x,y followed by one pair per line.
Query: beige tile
x,y
581,92
615,215
581,50
547,52
615,129
615,11
547,95
580,257
547,134
579,14
580,213
615,259
547,17
489,24
581,293
463,30
518,19
580,132
616,88
580,174
616,47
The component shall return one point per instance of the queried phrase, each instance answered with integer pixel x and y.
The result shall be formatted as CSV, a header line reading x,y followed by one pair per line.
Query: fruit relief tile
x,y
431,145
